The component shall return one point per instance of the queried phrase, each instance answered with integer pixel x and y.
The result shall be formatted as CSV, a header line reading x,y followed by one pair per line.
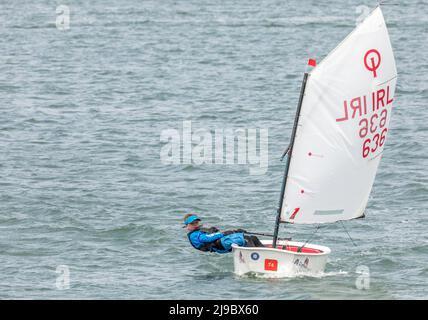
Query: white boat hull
x,y
281,261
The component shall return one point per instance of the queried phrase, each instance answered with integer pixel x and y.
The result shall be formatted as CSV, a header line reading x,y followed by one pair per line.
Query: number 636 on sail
x,y
375,125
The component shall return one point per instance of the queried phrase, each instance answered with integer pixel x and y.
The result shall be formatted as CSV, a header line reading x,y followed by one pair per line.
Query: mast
x,y
289,151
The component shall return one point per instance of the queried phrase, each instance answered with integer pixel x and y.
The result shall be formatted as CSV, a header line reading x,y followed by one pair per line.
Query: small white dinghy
x,y
283,261
337,141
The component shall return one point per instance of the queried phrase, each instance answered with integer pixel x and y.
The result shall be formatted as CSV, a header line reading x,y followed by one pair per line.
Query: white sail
x,y
341,132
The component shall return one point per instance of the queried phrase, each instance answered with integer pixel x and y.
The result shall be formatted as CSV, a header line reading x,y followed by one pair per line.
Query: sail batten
x,y
342,128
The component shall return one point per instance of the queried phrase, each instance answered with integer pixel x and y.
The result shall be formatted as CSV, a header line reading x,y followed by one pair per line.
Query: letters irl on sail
x,y
363,104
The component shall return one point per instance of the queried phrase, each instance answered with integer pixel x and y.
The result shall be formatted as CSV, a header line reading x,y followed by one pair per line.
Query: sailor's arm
x,y
211,237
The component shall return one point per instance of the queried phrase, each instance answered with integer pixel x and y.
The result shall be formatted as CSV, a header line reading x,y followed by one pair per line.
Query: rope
x,y
316,230
348,234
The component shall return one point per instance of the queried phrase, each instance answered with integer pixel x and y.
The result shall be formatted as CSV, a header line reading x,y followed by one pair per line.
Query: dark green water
x,y
81,179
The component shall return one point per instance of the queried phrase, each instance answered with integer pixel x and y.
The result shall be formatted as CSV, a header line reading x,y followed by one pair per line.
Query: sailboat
x,y
337,141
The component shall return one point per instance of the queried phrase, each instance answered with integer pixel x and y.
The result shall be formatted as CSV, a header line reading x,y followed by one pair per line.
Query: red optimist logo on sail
x,y
372,61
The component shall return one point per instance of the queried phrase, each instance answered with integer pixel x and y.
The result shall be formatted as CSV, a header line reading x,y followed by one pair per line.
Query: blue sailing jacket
x,y
207,241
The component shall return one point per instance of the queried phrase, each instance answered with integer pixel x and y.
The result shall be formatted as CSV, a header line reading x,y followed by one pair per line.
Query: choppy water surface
x,y
82,111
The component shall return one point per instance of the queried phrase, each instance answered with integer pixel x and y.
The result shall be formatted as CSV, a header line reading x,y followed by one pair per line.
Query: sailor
x,y
212,240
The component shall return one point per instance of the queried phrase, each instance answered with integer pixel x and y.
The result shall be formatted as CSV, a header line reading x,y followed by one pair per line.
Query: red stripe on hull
x,y
295,248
